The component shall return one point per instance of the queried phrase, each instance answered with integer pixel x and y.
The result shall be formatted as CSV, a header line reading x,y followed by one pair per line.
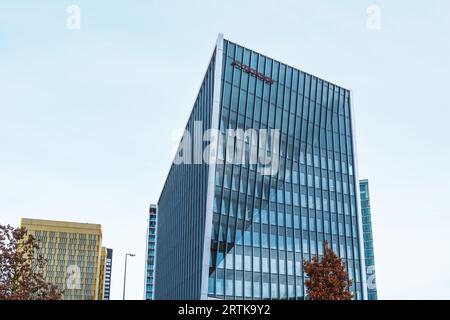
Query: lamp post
x,y
125,273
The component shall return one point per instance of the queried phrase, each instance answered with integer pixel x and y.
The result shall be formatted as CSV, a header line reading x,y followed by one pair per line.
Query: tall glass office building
x,y
368,240
108,271
150,254
230,230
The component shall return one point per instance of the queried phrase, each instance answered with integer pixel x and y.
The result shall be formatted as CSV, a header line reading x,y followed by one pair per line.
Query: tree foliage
x,y
22,267
328,278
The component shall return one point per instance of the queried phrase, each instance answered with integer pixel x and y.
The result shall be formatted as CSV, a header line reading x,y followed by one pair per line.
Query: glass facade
x,y
108,271
150,254
263,226
368,240
182,213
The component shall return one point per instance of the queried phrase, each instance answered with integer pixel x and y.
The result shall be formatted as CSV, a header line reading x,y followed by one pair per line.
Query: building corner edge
x,y
358,199
212,167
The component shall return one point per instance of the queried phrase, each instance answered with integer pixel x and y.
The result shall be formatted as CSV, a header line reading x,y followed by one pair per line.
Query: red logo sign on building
x,y
252,72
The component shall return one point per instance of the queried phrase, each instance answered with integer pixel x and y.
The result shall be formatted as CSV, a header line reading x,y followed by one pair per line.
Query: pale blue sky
x,y
86,116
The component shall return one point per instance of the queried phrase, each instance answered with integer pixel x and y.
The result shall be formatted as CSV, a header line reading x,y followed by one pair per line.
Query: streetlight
x,y
125,273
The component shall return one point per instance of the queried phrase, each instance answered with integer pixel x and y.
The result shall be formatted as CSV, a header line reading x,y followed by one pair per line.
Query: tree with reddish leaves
x,y
22,268
328,278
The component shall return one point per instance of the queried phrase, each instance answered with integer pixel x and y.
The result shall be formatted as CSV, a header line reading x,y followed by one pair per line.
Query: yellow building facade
x,y
74,256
